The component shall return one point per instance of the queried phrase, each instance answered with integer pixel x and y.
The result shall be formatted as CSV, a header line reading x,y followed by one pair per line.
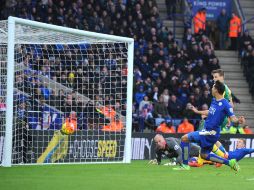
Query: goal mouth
x,y
67,95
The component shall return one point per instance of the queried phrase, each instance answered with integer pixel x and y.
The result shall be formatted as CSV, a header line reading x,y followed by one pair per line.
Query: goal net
x,y
63,95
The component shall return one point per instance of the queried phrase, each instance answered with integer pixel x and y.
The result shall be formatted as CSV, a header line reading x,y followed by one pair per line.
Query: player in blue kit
x,y
219,109
239,153
240,150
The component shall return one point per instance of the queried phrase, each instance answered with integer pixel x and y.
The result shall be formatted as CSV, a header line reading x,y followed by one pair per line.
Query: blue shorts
x,y
206,142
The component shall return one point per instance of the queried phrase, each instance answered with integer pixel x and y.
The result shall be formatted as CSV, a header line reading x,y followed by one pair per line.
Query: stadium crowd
x,y
169,77
246,51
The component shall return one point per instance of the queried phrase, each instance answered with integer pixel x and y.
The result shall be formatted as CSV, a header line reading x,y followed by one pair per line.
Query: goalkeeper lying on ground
x,y
171,148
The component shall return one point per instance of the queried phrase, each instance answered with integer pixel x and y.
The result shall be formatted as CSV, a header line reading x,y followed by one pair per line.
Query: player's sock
x,y
215,158
185,154
222,148
218,152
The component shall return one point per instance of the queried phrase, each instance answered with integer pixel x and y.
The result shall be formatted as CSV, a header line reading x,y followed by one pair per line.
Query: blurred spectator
x,y
175,107
160,111
143,103
162,68
171,8
185,127
199,21
140,95
166,127
205,44
188,113
165,96
206,98
235,30
222,24
245,41
244,126
2,111
184,92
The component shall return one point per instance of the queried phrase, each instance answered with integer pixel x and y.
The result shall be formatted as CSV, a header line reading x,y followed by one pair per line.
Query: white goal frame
x,y
12,21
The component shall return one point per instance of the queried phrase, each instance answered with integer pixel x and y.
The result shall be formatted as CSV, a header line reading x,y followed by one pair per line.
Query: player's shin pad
x,y
185,152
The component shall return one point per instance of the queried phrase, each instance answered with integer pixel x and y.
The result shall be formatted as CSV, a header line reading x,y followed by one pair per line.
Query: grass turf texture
x,y
137,175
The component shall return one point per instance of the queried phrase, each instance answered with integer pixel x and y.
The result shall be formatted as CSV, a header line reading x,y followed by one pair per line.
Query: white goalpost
x,y
65,95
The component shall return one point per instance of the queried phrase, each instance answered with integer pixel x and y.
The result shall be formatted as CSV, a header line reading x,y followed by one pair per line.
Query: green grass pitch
x,y
137,175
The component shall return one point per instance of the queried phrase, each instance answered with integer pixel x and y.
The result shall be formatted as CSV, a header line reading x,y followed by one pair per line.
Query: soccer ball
x,y
68,128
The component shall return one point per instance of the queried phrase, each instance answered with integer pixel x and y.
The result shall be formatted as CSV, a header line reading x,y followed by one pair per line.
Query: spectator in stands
x,y
235,29
166,127
183,92
199,21
205,44
45,91
245,41
155,94
144,103
214,65
21,130
206,98
2,111
165,96
199,68
55,99
140,95
244,126
222,24
160,111
188,113
187,38
185,127
160,65
175,107
171,8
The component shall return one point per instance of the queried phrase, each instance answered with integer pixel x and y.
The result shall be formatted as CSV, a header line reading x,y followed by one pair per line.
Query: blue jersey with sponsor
x,y
217,113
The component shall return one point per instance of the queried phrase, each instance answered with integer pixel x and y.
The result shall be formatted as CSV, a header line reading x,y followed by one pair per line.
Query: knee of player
x,y
184,138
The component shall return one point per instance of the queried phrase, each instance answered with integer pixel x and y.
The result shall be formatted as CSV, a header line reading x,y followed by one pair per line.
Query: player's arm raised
x,y
202,112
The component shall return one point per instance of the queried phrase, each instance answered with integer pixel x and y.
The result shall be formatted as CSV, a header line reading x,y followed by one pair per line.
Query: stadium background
x,y
162,43
171,63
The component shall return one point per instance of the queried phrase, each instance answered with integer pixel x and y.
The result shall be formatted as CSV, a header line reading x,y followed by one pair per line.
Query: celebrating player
x,y
219,109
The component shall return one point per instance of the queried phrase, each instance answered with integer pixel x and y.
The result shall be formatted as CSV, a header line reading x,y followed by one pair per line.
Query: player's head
x,y
159,141
240,143
218,88
218,74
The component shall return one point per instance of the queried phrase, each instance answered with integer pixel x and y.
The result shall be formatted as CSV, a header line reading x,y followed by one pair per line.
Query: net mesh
x,y
70,97
3,74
